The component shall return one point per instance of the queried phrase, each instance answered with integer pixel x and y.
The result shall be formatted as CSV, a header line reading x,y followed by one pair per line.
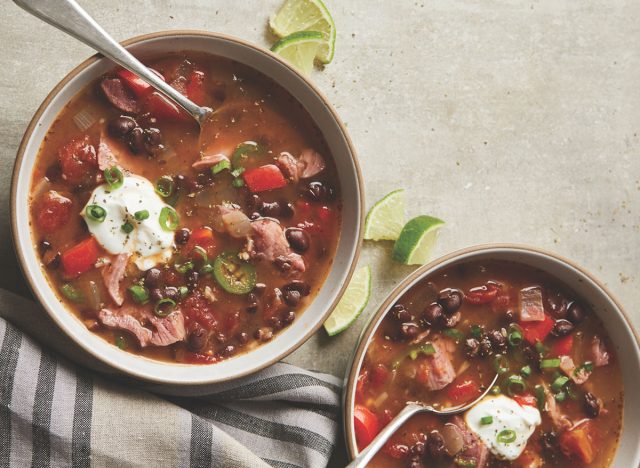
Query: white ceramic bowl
x,y
585,286
349,175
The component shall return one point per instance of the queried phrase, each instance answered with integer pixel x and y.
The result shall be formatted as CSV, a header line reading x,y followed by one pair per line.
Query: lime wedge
x,y
352,304
306,15
386,218
416,240
299,48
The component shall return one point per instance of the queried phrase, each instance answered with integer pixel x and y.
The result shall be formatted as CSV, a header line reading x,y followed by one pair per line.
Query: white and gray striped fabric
x,y
55,412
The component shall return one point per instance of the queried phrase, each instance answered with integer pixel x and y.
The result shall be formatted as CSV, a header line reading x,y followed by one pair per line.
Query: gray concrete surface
x,y
512,120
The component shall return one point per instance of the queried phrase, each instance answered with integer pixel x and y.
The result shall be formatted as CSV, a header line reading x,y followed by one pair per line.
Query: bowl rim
x,y
18,169
370,326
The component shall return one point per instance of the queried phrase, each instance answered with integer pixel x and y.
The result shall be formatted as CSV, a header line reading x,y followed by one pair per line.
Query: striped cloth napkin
x,y
54,411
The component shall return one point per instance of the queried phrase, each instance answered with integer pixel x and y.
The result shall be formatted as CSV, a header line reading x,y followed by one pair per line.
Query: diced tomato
x,y
366,425
463,391
136,84
577,443
78,160
163,109
563,346
196,308
54,211
379,374
526,399
537,331
195,87
263,178
202,237
80,258
482,294
396,450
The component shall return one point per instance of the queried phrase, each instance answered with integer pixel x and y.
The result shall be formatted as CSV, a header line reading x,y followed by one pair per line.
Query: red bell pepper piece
x,y
195,87
202,237
366,425
163,109
482,294
463,391
577,443
537,331
137,85
80,258
526,399
263,178
562,346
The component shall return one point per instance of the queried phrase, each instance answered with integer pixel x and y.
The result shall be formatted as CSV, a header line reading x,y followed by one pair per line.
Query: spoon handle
x,y
69,17
376,444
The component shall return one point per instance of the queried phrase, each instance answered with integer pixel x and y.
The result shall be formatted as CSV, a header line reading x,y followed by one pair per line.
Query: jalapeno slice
x,y
234,275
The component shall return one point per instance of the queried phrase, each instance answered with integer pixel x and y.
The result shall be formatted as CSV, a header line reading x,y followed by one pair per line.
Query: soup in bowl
x,y
537,322
181,252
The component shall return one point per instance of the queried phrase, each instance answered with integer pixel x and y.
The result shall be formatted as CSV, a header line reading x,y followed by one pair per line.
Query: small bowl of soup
x,y
175,260
562,347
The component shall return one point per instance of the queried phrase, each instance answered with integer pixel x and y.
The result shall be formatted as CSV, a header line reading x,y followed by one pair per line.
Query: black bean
x,y
415,463
270,210
485,346
243,338
289,317
591,405
433,313
153,141
55,261
182,236
435,444
152,278
282,263
221,338
450,300
417,449
317,191
275,323
135,140
172,293
575,313
555,305
197,339
204,179
292,297
286,210
303,288
401,314
409,330
155,294
452,321
121,126
562,327
192,279
498,341
43,246
253,303
229,350
549,444
298,239
471,347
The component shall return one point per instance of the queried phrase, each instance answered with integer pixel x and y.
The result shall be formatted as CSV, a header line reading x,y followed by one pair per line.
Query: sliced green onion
x,y
165,186
514,338
560,382
571,393
515,384
454,334
197,250
560,396
237,183
221,166
183,267
139,293
485,420
426,348
127,227
495,390
183,290
506,436
542,349
121,341
114,177
500,364
550,363
540,396
206,268
96,213
476,331
237,172
243,151
169,219
587,367
141,215
526,371
164,307
72,293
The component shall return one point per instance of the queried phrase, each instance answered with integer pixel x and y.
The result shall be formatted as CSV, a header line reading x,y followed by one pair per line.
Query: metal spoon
x,y
69,17
407,412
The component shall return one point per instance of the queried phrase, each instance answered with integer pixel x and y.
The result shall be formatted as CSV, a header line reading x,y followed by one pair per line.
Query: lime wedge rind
x,y
299,48
353,302
385,219
306,15
416,241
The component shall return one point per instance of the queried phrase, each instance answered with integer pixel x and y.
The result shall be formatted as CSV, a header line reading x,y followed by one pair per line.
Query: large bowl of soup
x,y
175,260
563,347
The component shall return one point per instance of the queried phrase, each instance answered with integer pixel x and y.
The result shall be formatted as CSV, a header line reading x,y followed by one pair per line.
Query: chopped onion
x,y
84,119
465,365
453,440
94,299
381,399
237,223
40,187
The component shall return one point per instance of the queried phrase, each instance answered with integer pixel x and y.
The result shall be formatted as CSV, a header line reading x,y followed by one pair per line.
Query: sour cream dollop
x,y
147,242
508,418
